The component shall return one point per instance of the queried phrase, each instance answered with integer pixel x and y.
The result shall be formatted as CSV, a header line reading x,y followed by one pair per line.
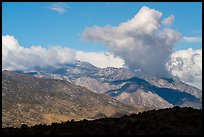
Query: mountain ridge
x,y
31,100
104,80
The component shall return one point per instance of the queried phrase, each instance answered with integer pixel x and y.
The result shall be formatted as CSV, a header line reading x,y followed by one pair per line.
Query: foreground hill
x,y
173,121
32,100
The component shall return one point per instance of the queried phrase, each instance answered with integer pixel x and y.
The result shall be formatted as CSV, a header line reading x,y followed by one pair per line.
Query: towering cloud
x,y
187,65
140,41
16,57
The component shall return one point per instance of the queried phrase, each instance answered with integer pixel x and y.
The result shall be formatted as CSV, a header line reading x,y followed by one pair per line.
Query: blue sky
x,y
36,24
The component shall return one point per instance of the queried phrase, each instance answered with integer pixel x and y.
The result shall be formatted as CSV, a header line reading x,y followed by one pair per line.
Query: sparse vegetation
x,y
172,121
28,102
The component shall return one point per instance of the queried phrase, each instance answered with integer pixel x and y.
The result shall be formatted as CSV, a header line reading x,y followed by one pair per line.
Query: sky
x,y
159,38
35,23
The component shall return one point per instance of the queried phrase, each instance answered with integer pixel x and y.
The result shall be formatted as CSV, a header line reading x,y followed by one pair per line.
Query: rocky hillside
x,y
32,100
180,121
126,86
142,92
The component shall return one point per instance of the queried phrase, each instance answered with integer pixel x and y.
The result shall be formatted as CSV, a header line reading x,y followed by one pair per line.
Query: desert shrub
x,y
24,126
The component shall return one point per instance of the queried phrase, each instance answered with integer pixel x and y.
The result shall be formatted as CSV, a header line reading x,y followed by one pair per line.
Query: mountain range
x,y
126,86
82,91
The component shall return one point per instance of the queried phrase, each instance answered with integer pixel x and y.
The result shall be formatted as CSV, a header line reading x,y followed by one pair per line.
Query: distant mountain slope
x,y
93,85
116,81
174,121
135,86
32,100
82,69
147,99
176,84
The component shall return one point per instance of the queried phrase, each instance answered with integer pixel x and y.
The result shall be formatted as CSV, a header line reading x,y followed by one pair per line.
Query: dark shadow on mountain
x,y
59,71
170,80
175,97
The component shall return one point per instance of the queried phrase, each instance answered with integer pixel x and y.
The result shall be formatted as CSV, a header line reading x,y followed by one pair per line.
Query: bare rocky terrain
x,y
127,86
32,100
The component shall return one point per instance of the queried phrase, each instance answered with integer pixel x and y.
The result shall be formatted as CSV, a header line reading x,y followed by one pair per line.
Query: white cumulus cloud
x,y
100,59
16,57
140,41
169,20
187,65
